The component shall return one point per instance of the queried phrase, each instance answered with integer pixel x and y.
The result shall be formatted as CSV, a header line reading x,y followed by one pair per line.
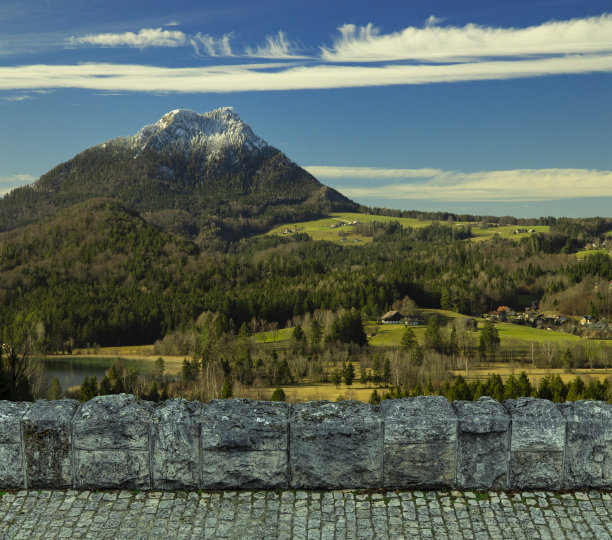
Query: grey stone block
x,y
111,441
11,456
483,444
420,442
244,444
113,421
175,439
588,447
48,443
335,445
115,469
536,444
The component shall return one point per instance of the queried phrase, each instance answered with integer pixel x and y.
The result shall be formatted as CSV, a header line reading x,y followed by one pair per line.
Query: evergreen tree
x,y
488,343
433,338
227,391
386,371
316,332
106,386
364,378
416,356
349,374
89,388
160,368
408,339
298,334
336,378
278,395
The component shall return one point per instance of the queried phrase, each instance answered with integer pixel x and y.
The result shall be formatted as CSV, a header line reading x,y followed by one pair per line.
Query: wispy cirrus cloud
x,y
273,47
147,37
361,57
212,46
282,76
276,47
452,186
450,44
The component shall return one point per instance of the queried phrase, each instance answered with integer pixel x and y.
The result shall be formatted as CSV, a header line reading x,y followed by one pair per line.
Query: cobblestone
x,y
302,514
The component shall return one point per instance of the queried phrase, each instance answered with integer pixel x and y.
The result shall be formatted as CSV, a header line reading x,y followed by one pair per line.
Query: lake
x,y
71,371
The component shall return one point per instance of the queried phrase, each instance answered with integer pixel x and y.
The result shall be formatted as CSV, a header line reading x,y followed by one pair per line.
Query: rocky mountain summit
x,y
213,131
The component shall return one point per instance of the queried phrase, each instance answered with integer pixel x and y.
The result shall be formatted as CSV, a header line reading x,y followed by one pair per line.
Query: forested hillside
x,y
99,273
136,237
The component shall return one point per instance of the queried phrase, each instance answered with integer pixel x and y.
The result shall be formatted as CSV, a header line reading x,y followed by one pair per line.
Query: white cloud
x,y
212,45
432,20
7,183
147,37
281,76
18,97
450,186
326,171
450,44
275,47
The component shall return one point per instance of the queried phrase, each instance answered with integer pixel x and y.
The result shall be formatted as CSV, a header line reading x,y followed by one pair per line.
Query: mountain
x,y
194,174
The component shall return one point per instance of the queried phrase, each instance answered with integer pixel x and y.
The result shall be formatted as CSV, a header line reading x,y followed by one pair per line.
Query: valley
x,y
193,259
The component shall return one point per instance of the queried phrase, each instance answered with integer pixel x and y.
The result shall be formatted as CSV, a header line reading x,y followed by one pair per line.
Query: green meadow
x,y
330,228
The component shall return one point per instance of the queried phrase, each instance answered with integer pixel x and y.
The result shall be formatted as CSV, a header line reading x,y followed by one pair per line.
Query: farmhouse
x,y
391,317
414,321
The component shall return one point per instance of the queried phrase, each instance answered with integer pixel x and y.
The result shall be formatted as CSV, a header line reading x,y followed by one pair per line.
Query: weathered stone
x,y
175,442
116,469
113,421
111,441
48,443
483,444
244,444
335,445
11,457
536,444
419,443
588,447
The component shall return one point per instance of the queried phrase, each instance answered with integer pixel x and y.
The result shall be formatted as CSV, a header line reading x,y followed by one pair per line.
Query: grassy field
x,y
390,335
516,332
505,232
321,229
282,334
534,374
585,253
299,393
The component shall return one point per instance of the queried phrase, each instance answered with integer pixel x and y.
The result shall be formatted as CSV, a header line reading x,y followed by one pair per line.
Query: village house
x,y
414,321
391,317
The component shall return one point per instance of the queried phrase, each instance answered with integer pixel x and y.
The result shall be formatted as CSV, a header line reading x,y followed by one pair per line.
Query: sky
x,y
491,108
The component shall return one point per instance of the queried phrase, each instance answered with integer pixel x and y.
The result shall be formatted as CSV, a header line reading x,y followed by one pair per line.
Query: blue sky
x,y
473,106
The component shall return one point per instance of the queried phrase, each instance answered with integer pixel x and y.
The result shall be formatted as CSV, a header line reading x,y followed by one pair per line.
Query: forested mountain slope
x,y
192,173
99,273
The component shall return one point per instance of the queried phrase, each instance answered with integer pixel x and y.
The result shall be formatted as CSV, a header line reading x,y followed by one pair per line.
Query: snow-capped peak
x,y
214,130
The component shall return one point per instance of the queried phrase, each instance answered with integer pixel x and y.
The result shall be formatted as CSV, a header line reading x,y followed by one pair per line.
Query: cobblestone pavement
x,y
305,515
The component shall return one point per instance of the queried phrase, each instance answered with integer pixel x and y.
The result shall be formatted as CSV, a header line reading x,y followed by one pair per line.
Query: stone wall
x,y
425,442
